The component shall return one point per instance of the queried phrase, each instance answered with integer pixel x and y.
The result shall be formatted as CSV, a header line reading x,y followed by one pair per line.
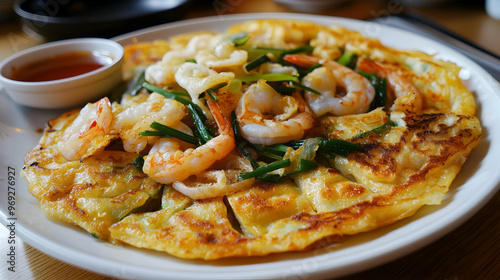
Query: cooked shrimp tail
x,y
303,61
169,160
356,97
267,117
89,132
222,122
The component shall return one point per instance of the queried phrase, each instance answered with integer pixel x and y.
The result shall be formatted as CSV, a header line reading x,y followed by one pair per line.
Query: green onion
x,y
132,87
269,151
256,52
270,77
165,131
168,94
257,62
176,96
280,147
340,147
241,142
240,39
270,178
305,165
305,48
236,127
284,89
348,59
138,81
180,93
306,88
211,91
283,52
212,95
295,144
380,93
138,162
304,71
234,85
219,86
278,53
380,86
337,146
190,60
380,129
200,127
389,121
264,169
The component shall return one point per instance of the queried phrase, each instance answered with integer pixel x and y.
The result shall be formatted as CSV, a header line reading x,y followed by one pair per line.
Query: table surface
x,y
472,251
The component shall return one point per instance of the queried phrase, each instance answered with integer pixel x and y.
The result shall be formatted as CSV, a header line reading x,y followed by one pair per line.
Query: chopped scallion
x,y
240,39
305,165
380,129
270,77
380,86
303,72
269,151
257,62
306,88
278,53
138,81
203,132
166,131
168,94
264,169
348,59
337,146
270,178
212,95
241,142
139,162
284,89
340,147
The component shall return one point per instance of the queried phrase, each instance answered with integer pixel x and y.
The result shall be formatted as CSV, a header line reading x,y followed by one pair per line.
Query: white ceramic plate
x,y
477,182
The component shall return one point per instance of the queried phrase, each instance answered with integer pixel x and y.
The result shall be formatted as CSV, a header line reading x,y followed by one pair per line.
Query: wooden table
x,y
472,251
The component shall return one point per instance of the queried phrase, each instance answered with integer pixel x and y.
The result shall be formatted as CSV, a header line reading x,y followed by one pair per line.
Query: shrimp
x,y
196,79
221,180
224,55
89,133
163,71
327,79
267,117
407,96
131,121
167,162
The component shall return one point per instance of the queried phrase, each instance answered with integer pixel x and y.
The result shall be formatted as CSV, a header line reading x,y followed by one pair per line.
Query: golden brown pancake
x,y
409,157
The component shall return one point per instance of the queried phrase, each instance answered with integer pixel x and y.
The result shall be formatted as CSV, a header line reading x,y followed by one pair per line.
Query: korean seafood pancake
x,y
273,136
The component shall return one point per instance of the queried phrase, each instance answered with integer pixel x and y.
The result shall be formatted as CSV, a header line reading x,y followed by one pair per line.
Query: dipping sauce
x,y
60,66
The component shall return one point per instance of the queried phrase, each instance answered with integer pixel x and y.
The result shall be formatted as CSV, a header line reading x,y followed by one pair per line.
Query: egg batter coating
x,y
403,150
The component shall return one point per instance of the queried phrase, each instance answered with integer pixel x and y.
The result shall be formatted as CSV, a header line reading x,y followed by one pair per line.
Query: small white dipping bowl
x,y
65,92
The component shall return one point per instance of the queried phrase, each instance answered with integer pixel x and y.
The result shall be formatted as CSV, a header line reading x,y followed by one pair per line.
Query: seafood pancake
x,y
274,136
363,191
93,193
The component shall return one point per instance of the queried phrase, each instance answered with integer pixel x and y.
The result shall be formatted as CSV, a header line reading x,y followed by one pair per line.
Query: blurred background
x,y
24,23
469,26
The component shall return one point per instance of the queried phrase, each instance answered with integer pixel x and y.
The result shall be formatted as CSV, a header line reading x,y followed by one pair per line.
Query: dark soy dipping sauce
x,y
60,66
